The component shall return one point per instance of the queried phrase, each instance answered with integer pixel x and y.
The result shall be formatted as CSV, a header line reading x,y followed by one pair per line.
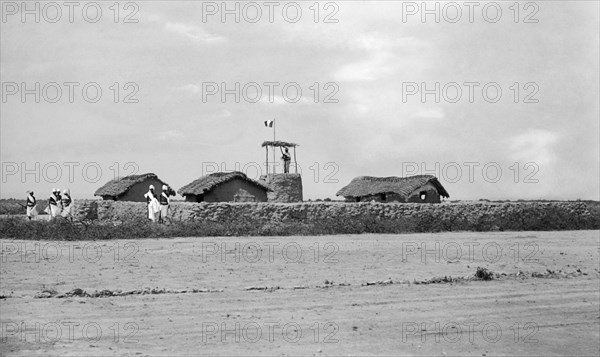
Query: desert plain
x,y
368,294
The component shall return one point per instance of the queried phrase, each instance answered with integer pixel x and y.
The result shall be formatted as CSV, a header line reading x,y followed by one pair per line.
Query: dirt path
x,y
344,295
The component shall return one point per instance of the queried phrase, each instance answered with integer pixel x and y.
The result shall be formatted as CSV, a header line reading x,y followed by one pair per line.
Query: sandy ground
x,y
317,303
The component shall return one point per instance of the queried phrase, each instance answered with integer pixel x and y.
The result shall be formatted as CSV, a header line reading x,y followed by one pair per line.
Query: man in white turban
x,y
164,203
67,204
59,202
153,205
31,205
53,204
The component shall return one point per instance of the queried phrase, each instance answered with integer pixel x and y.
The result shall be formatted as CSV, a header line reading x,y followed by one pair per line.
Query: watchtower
x,y
287,187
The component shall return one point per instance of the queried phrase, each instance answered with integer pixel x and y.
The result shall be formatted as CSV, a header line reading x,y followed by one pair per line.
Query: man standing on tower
x,y
287,158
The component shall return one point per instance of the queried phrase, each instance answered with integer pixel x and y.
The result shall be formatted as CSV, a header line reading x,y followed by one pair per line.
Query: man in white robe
x,y
153,205
53,203
59,201
67,204
31,205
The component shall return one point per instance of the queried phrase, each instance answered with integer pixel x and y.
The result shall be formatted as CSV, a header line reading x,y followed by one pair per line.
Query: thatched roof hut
x,y
130,188
224,187
420,188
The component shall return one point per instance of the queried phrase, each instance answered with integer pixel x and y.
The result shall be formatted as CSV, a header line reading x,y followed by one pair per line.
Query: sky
x,y
499,101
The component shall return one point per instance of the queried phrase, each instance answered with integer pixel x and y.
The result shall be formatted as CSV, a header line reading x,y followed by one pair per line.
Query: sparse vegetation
x,y
19,228
13,206
484,274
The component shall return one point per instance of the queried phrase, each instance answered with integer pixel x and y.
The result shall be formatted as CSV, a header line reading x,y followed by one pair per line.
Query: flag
x,y
269,123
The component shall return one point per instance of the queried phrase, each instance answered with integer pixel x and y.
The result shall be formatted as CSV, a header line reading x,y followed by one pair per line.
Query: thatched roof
x,y
209,182
366,185
278,144
120,185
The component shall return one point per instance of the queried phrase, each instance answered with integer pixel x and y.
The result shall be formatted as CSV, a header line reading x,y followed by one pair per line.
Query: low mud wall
x,y
413,217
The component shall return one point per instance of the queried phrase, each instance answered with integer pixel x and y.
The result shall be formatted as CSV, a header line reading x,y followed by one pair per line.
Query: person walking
x,y
164,204
287,158
67,204
153,205
31,205
58,199
53,202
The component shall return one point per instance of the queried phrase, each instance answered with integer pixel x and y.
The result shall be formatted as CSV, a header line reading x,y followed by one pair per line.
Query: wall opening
x,y
423,195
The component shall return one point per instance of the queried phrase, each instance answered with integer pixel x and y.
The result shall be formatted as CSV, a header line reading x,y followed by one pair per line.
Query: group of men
x,y
158,206
58,205
61,205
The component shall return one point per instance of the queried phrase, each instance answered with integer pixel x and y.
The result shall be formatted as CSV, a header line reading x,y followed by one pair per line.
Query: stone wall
x,y
286,188
414,216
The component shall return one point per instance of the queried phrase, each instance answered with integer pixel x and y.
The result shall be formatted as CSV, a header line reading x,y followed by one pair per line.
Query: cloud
x,y
380,42
193,32
223,113
428,114
188,88
368,70
170,135
383,56
534,145
278,100
358,109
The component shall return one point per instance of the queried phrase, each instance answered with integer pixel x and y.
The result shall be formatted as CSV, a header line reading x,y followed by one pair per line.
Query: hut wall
x,y
225,191
431,195
194,198
371,198
394,197
389,197
137,191
243,196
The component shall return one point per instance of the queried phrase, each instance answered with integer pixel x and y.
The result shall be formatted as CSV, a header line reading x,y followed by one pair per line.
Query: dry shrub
x,y
484,274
